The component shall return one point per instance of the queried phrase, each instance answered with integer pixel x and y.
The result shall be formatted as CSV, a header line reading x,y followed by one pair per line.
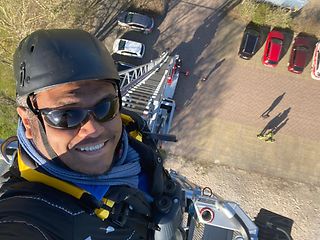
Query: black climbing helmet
x,y
47,58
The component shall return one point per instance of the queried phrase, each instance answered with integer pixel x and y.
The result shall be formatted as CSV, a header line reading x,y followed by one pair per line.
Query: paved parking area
x,y
218,119
221,117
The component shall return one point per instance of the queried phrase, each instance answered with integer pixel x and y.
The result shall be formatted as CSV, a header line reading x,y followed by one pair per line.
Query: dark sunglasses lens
x,y
65,118
106,109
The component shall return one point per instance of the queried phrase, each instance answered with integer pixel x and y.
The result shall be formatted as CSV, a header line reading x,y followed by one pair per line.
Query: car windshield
x,y
277,41
142,50
136,25
129,18
302,48
122,44
271,62
123,66
129,53
250,44
318,62
298,69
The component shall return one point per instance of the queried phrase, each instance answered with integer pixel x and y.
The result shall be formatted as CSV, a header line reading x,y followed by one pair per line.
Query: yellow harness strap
x,y
34,176
126,119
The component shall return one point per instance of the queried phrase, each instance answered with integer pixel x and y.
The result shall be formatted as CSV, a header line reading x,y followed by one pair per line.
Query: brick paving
x,y
217,120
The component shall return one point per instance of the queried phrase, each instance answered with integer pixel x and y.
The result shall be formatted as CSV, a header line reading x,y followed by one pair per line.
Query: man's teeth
x,y
91,148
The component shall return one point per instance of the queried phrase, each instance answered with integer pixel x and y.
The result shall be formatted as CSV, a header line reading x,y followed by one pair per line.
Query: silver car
x,y
136,21
128,48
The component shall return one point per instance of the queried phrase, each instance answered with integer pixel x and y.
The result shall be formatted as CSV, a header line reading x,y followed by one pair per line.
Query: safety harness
x,y
122,202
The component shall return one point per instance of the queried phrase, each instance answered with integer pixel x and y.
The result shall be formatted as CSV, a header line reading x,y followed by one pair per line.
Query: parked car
x,y
299,53
315,70
136,21
122,66
273,49
250,43
128,48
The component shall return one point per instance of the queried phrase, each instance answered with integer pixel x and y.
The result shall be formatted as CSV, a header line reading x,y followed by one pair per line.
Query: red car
x,y
273,48
299,53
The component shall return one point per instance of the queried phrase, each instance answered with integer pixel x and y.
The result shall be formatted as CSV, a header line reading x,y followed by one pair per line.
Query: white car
x,y
315,70
128,48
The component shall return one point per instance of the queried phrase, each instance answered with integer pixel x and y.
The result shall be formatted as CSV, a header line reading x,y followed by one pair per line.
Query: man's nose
x,y
91,128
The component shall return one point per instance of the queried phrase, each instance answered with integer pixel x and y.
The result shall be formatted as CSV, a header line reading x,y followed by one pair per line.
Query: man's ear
x,y
24,115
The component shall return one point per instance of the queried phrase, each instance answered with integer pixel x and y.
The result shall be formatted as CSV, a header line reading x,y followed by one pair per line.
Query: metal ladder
x,y
148,90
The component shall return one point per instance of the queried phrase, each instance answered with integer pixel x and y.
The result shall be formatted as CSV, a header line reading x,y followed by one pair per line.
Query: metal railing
x,y
131,77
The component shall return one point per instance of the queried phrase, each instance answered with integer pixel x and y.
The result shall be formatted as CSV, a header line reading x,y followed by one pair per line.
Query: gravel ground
x,y
298,201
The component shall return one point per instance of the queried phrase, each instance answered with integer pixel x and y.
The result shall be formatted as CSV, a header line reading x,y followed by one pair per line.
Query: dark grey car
x,y
250,43
136,21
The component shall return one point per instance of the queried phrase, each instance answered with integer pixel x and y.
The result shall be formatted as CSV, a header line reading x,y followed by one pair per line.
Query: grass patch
x,y
306,20
157,7
7,83
8,121
262,14
8,114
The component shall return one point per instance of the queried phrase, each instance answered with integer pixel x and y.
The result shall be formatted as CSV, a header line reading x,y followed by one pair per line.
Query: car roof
x,y
301,48
301,56
275,50
250,42
140,19
132,46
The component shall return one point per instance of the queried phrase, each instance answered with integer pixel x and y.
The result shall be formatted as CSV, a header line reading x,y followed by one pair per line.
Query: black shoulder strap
x,y
140,125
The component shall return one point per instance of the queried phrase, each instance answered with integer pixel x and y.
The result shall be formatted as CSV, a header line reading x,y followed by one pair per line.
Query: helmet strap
x,y
119,94
32,104
45,142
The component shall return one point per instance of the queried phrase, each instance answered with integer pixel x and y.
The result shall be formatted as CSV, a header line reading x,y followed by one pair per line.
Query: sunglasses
x,y
72,118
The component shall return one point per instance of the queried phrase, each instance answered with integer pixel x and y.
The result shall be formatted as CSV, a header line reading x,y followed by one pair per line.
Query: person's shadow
x,y
276,123
281,125
218,64
266,113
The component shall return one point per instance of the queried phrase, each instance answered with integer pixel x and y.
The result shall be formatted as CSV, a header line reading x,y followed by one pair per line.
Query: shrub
x,y
153,6
263,14
8,116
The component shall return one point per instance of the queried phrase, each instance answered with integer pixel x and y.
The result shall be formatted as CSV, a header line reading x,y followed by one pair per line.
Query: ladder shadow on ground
x,y
191,51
